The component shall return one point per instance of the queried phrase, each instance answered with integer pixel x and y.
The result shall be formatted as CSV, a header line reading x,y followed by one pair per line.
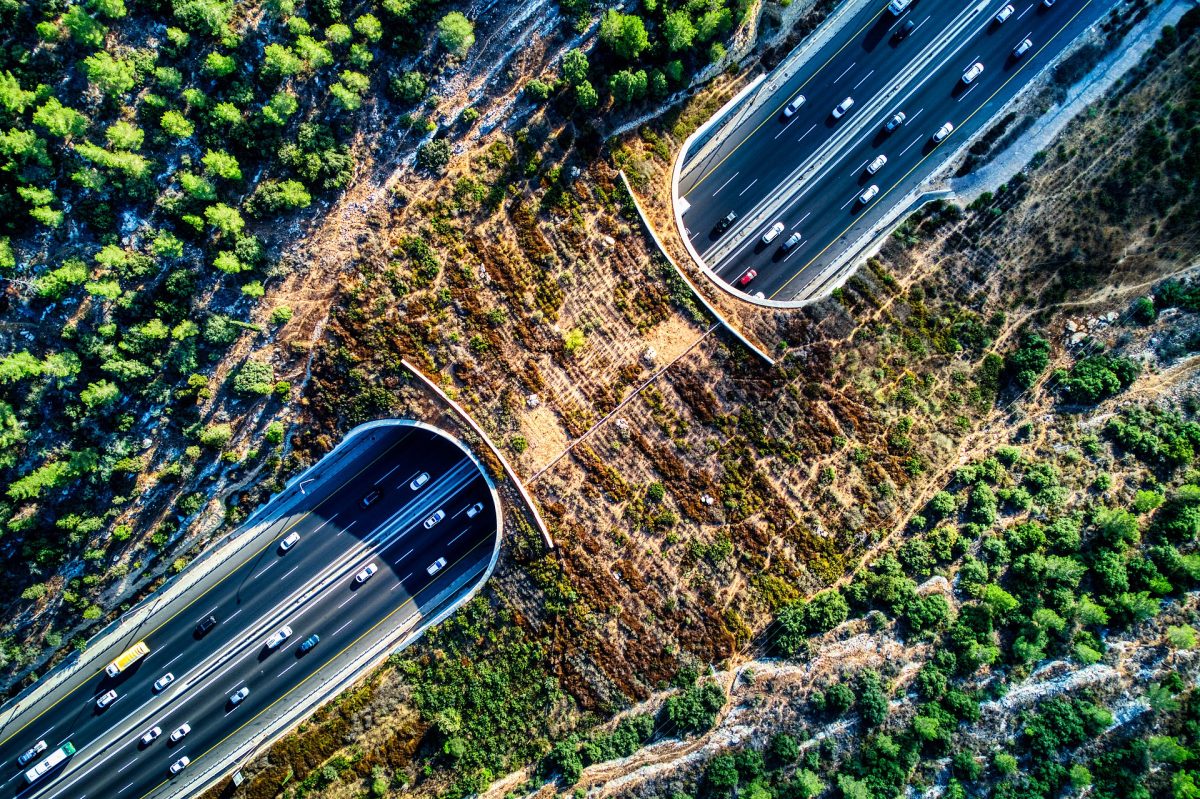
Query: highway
x,y
808,171
311,588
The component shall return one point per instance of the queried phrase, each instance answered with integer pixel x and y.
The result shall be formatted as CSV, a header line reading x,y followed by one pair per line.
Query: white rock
x,y
533,401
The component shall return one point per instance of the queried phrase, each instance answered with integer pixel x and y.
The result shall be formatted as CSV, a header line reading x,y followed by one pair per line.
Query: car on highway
x,y
436,566
973,72
149,735
773,233
180,731
898,7
433,520
31,753
369,500
904,30
163,681
725,223
418,481
869,194
1022,47
366,573
180,764
1048,3
791,242
106,699
791,108
895,122
745,279
206,624
1004,13
289,542
474,510
237,696
940,135
841,108
279,637
308,643
876,164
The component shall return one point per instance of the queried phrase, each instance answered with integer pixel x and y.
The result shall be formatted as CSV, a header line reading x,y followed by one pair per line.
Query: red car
x,y
746,278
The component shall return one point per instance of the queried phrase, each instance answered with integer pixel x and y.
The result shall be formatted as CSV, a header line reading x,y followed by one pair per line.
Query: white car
x,y
897,7
180,764
474,510
436,566
238,695
432,521
869,194
149,735
841,108
31,753
876,164
418,481
106,699
289,542
366,573
1004,14
279,637
1022,48
943,132
183,730
791,108
771,234
163,681
1048,3
973,72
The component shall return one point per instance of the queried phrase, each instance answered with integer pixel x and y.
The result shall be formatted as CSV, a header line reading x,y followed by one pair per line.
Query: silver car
x,y
434,519
791,108
841,108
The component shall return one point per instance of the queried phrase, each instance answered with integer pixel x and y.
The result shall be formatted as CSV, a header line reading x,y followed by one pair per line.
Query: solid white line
x,y
284,577
909,147
389,471
968,91
805,133
743,191
864,77
726,183
839,77
1026,11
348,599
344,626
785,127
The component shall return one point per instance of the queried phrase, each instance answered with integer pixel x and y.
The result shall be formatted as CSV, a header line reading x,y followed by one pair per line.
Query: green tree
x,y
627,86
60,120
624,34
222,165
575,66
434,155
176,125
585,95
100,394
254,378
679,30
456,34
409,87
721,774
225,219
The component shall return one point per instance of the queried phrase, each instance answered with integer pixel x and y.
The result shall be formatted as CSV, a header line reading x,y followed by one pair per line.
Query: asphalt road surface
x,y
808,171
338,537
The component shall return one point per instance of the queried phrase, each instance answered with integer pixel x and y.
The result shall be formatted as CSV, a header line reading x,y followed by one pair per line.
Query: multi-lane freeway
x,y
410,501
809,171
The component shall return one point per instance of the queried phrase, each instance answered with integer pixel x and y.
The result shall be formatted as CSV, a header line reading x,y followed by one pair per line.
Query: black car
x,y
726,222
908,27
206,624
369,499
